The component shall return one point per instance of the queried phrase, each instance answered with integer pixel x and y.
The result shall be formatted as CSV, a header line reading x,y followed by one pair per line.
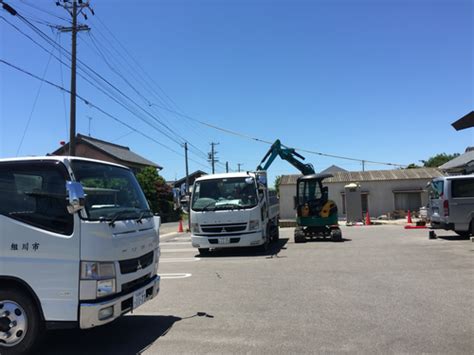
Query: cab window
x,y
35,194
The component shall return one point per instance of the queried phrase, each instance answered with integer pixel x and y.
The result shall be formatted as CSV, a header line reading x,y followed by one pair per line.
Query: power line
x,y
209,125
90,104
34,106
44,36
62,84
45,11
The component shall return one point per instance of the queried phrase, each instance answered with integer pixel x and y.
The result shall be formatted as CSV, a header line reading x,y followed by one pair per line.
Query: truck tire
x,y
336,235
203,251
276,234
263,248
20,322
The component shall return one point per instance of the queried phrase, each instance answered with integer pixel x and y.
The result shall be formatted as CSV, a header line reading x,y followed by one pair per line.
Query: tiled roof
x,y
459,162
373,175
119,152
333,169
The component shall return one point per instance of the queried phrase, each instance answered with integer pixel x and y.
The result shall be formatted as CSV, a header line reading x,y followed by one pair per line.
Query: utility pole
x,y
238,166
226,166
74,8
212,157
187,171
363,165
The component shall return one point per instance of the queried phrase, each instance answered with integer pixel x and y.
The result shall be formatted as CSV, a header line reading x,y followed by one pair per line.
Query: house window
x,y
407,200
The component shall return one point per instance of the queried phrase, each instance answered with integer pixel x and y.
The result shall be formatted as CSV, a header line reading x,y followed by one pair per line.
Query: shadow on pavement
x,y
326,240
273,250
127,335
453,237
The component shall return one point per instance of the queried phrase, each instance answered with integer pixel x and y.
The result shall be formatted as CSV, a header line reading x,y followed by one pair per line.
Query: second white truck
x,y
233,210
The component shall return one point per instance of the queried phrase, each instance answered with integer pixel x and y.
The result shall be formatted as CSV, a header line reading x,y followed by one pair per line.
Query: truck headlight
x,y
94,270
194,227
254,224
105,287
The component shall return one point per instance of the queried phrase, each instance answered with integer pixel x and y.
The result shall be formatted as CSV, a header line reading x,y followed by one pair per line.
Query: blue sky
x,y
376,80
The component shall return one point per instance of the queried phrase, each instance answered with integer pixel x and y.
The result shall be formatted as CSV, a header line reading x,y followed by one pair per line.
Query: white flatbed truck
x,y
79,246
233,210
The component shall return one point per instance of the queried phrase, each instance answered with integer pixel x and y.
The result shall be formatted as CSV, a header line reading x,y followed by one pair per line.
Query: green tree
x,y
438,160
158,193
277,184
412,166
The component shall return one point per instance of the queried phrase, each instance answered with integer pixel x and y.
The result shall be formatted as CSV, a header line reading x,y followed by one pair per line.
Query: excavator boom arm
x,y
285,153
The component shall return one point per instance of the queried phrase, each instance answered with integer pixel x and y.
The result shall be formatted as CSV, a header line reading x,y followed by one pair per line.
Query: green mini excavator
x,y
316,214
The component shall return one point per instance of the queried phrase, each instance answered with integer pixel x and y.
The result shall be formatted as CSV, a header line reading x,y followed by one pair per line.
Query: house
x,y
93,148
463,164
333,169
383,191
181,183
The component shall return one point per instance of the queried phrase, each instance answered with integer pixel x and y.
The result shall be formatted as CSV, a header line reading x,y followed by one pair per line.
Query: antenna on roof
x,y
90,119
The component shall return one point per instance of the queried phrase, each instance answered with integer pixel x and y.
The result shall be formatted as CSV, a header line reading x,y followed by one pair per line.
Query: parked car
x,y
451,204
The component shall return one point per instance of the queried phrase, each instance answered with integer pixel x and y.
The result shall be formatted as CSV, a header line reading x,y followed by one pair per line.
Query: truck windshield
x,y
112,192
437,189
224,194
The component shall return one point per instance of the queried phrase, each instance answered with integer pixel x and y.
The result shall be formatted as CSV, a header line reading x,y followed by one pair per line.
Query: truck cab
x,y
79,246
232,210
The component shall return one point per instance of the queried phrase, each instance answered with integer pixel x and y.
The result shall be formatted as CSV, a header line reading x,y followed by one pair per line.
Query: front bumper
x,y
89,312
235,240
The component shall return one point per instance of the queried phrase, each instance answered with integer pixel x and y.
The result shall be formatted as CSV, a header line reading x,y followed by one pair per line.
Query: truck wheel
x,y
336,235
264,247
20,322
203,251
276,235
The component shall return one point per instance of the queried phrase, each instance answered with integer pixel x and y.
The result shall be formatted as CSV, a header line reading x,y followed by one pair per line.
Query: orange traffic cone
x,y
180,227
368,222
409,217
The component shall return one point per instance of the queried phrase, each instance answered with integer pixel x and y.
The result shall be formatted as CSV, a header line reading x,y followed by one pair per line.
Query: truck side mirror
x,y
76,196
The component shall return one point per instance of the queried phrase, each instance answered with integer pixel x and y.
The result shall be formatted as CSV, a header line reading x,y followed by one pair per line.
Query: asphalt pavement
x,y
383,290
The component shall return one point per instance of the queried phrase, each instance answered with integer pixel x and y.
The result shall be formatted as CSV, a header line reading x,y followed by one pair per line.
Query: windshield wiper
x,y
143,213
231,205
118,215
209,204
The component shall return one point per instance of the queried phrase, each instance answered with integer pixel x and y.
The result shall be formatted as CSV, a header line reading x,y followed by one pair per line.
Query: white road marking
x,y
175,276
168,234
178,250
178,260
174,243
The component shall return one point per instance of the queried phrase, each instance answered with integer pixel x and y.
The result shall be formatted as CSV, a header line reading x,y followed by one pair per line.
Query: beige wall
x,y
381,199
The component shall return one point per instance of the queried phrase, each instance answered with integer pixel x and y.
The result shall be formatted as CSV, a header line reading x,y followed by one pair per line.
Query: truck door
x,y
436,200
39,241
461,204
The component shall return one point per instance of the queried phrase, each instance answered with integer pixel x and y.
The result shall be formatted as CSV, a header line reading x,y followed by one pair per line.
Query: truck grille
x,y
133,265
135,284
223,228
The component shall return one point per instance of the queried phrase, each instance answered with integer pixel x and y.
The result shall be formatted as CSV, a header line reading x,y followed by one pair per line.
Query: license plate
x,y
139,298
225,240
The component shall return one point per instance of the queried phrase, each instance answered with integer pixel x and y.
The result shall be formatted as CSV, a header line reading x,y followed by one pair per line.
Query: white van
x,y
452,204
79,246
